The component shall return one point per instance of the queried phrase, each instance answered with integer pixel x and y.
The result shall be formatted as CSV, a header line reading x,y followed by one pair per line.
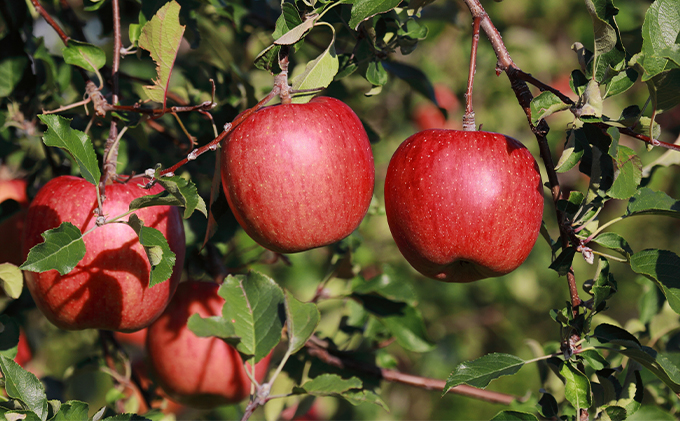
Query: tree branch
x,y
319,349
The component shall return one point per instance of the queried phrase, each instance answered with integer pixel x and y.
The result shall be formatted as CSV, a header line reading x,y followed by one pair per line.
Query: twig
x,y
319,349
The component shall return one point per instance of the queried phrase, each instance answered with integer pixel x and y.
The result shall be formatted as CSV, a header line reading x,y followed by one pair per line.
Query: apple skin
x,y
299,176
426,115
195,371
24,353
108,289
11,228
463,206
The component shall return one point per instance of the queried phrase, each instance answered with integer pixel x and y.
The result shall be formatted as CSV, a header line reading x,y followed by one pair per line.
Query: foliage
x,y
189,67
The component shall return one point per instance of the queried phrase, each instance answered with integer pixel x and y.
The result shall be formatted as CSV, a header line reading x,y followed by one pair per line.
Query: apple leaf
x,y
574,149
609,52
82,54
562,262
9,337
627,175
594,358
24,386
663,366
297,33
255,305
366,9
620,83
62,250
661,267
161,37
318,73
161,258
663,90
403,321
289,19
577,387
604,285
614,241
213,326
415,78
78,144
11,279
301,321
389,284
652,412
11,72
508,415
545,104
376,73
646,201
356,397
327,385
72,411
178,192
480,372
659,32
135,29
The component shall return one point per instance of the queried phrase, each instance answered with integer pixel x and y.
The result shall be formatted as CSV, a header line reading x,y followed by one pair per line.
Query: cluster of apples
x,y
297,177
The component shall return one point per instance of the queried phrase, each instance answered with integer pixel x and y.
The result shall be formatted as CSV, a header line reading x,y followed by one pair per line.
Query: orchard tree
x,y
332,260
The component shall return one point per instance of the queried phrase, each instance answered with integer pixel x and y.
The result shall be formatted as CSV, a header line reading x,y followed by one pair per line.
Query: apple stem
x,y
469,117
281,80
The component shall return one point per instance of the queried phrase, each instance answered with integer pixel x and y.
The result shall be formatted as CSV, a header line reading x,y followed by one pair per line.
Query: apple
x,y
109,288
24,354
195,371
463,205
426,115
299,176
12,227
137,338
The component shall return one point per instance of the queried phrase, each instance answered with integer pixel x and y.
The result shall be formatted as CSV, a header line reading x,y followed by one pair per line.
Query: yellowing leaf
x,y
161,37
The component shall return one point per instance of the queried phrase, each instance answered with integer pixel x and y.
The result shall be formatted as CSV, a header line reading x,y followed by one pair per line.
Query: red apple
x,y
426,115
24,354
299,176
463,206
137,338
194,371
11,228
109,288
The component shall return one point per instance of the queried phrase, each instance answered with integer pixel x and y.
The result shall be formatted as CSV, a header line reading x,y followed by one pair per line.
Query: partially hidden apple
x,y
109,288
24,353
195,371
427,115
11,228
299,176
463,205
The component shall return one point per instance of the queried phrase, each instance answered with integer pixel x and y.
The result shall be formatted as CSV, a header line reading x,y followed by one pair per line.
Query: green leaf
x,y
93,5
591,101
646,201
135,29
366,9
652,412
659,32
9,336
627,175
545,104
72,411
82,54
318,73
563,262
376,74
508,415
403,321
663,90
161,37
356,397
480,372
577,387
327,385
608,333
178,192
161,258
609,51
24,386
78,144
301,321
620,83
11,280
547,406
12,69
594,359
415,78
574,149
213,326
614,241
297,33
389,284
604,285
62,250
255,305
662,267
289,19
